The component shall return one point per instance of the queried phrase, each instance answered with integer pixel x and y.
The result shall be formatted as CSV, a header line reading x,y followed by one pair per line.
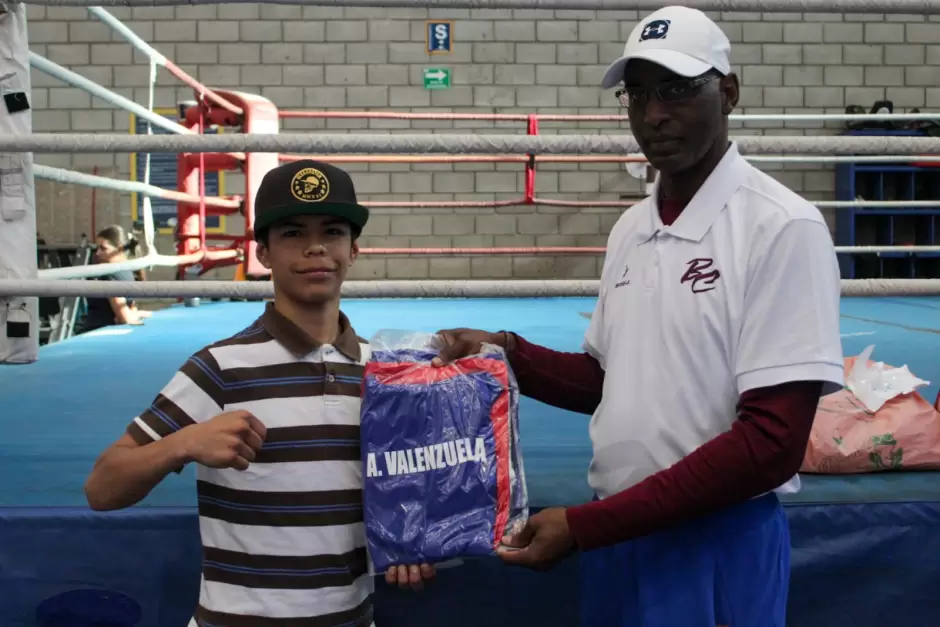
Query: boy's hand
x,y
230,440
412,576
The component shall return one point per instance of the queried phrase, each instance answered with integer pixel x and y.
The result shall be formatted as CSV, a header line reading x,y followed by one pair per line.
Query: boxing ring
x,y
865,546
861,543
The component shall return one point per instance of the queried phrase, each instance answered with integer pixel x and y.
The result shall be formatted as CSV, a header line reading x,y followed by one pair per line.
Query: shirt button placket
x,y
330,377
652,268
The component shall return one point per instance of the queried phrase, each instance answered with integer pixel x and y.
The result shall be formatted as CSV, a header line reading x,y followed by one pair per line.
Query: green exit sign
x,y
436,78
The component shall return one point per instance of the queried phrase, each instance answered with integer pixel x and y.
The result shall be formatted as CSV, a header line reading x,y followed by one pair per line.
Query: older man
x,y
715,332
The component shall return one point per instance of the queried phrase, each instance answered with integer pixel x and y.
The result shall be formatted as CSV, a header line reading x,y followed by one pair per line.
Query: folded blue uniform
x,y
442,470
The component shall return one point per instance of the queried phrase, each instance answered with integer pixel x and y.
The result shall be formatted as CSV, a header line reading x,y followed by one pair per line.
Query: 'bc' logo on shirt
x,y
701,281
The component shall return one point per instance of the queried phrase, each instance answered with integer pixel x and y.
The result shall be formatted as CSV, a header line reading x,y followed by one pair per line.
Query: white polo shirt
x,y
741,292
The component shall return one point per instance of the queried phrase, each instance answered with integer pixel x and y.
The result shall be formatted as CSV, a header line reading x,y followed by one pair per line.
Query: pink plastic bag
x,y
847,438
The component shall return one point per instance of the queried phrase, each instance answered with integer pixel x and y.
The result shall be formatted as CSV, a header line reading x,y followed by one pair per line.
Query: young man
x,y
715,332
271,417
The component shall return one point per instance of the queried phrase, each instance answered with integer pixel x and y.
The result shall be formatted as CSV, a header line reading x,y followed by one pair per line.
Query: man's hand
x,y
542,543
412,576
230,440
460,343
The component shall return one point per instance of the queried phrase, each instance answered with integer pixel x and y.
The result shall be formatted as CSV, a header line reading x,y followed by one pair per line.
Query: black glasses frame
x,y
673,91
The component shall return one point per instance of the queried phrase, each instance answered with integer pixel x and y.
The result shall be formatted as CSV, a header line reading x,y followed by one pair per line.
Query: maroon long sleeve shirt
x,y
763,449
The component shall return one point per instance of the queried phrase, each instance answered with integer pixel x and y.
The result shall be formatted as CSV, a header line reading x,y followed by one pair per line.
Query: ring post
x,y
19,316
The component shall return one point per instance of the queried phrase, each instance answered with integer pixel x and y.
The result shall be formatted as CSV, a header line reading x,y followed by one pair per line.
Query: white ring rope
x,y
129,36
157,58
151,257
150,260
873,204
437,143
758,6
394,289
590,117
841,159
72,274
80,82
72,177
150,230
833,117
878,250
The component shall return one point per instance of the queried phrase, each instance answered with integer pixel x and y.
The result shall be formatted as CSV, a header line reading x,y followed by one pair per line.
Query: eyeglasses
x,y
671,92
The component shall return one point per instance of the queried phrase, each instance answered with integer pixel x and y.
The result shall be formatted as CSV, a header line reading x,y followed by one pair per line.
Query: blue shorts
x,y
731,568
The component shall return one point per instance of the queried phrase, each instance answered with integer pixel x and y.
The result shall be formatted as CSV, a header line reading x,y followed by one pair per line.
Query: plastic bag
x,y
442,468
850,438
874,384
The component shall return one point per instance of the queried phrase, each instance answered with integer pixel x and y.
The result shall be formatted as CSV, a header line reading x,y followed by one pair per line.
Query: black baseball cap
x,y
307,187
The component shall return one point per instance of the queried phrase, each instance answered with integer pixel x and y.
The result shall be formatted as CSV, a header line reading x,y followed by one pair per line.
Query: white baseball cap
x,y
682,40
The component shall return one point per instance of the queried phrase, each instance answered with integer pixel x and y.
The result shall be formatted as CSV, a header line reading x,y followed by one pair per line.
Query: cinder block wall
x,y
504,61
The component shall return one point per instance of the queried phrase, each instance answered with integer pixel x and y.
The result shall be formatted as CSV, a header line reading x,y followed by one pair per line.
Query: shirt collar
x,y
299,342
707,204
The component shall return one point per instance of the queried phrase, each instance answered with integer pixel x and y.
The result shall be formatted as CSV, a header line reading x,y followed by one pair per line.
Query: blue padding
x,y
88,608
864,565
151,555
61,411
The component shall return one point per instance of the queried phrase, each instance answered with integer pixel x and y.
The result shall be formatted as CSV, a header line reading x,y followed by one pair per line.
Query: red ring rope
x,y
190,238
403,115
468,158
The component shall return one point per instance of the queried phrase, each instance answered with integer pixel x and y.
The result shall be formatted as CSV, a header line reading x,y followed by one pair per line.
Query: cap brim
x,y
676,62
356,214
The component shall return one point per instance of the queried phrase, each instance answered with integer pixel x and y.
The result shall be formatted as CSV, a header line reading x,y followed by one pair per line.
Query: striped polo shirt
x,y
283,541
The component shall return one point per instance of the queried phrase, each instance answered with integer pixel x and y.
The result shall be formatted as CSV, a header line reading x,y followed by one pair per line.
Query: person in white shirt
x,y
715,333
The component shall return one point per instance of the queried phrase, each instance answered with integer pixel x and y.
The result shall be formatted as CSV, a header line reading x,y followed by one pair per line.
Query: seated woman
x,y
113,246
